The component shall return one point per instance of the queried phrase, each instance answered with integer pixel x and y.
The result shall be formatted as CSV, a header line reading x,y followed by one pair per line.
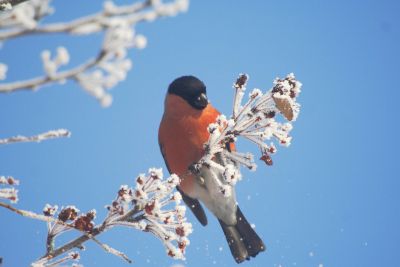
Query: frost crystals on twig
x,y
36,138
255,121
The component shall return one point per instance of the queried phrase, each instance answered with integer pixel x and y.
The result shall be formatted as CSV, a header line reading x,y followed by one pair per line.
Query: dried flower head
x,y
153,206
255,121
68,213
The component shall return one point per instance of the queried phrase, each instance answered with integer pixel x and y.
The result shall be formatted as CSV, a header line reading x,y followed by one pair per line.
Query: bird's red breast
x,y
182,134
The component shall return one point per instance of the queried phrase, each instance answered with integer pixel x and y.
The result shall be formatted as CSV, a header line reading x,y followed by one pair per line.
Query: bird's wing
x,y
192,203
195,207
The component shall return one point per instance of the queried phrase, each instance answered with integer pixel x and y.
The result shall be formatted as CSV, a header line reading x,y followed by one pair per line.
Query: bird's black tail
x,y
242,239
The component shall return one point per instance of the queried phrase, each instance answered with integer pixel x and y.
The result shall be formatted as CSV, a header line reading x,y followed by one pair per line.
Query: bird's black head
x,y
191,89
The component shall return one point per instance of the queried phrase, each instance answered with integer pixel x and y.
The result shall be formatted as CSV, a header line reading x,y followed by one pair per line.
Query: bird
x,y
181,136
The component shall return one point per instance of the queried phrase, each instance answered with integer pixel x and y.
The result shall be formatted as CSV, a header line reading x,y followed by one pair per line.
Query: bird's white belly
x,y
208,190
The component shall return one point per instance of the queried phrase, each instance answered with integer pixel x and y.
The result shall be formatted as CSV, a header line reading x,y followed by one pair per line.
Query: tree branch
x,y
36,138
109,67
34,83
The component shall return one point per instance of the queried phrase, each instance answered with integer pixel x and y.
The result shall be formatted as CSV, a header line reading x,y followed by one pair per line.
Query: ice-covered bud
x,y
85,222
140,41
255,93
151,207
180,212
9,193
109,7
125,193
177,197
241,81
174,179
221,120
49,210
184,229
156,173
140,194
62,57
3,71
174,252
74,255
68,213
92,214
281,132
272,149
267,159
49,66
106,100
8,180
161,189
119,36
182,5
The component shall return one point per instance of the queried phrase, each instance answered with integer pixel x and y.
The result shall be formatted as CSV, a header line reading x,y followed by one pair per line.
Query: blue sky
x,y
330,198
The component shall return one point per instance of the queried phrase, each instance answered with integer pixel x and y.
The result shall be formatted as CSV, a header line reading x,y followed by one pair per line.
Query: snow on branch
x,y
36,138
255,120
151,206
95,75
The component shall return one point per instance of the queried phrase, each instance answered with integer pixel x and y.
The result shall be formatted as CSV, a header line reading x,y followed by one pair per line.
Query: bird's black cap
x,y
191,89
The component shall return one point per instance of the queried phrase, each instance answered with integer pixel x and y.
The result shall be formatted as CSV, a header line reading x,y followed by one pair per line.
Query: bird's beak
x,y
201,101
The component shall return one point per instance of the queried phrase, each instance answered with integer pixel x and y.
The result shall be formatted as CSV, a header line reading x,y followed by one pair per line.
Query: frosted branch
x,y
109,67
256,120
151,206
36,138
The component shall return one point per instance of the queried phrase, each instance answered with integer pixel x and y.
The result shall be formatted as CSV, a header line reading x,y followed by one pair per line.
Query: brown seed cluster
x,y
267,159
85,222
68,214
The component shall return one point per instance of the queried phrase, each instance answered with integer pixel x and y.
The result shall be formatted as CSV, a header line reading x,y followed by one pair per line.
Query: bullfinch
x,y
182,134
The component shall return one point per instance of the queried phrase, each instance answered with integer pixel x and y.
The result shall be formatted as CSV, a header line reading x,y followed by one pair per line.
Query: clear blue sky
x,y
328,199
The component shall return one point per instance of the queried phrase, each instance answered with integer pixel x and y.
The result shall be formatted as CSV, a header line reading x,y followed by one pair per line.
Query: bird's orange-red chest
x,y
182,134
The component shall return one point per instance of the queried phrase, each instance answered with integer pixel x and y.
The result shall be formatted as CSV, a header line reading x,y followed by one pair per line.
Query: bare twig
x,y
36,138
